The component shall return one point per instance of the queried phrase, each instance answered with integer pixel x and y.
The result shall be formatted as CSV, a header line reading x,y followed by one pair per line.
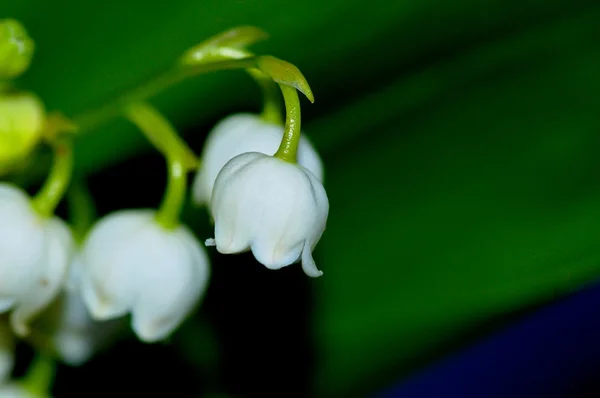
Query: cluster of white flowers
x,y
260,180
131,264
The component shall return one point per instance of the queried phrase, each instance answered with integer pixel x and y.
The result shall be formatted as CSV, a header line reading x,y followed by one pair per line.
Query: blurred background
x,y
460,140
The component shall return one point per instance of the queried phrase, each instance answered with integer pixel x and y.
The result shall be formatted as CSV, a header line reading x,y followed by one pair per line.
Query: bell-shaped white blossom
x,y
34,257
131,264
67,327
241,133
276,209
7,351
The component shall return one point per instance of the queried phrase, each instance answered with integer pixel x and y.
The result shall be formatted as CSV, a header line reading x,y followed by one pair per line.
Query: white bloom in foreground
x,y
239,134
68,327
274,208
34,257
15,390
131,264
7,351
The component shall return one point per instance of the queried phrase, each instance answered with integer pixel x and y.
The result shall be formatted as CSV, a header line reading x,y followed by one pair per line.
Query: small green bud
x,y
16,49
22,121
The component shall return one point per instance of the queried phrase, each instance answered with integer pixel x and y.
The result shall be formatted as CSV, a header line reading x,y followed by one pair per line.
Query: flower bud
x,y
22,119
67,327
16,49
34,256
239,134
131,264
276,209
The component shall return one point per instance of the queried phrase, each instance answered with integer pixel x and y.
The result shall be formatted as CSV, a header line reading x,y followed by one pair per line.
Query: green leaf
x,y
478,195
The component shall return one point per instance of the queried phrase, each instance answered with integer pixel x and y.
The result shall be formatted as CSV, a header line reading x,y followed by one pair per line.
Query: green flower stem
x,y
180,158
153,86
82,211
288,148
40,376
56,184
172,205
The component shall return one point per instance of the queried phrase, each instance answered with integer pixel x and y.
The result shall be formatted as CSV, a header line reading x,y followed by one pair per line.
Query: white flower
x,y
68,327
34,257
274,208
7,351
239,134
131,264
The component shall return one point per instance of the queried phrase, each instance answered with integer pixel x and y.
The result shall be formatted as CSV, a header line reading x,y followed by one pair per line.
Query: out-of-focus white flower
x,y
131,264
16,390
67,326
274,208
239,134
7,351
34,257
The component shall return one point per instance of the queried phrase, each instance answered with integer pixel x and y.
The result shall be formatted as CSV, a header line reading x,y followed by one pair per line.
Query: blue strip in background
x,y
553,353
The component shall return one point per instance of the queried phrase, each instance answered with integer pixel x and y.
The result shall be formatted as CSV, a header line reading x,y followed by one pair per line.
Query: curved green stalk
x,y
55,186
172,205
153,86
288,148
271,111
180,158
40,376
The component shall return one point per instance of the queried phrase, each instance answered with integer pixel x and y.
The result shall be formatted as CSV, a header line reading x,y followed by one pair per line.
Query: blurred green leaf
x,y
479,195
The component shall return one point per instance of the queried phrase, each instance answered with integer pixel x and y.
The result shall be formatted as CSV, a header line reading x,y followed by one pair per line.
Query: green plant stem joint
x,y
209,52
180,159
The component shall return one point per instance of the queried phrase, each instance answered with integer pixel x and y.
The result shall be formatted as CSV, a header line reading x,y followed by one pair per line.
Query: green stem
x,y
154,86
271,111
172,205
40,376
56,184
82,211
291,136
180,158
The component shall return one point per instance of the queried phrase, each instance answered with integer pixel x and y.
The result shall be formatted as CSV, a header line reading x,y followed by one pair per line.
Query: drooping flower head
x,y
66,326
276,209
242,133
35,252
134,265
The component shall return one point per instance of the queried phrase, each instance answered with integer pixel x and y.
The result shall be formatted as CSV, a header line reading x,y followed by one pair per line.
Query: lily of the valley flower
x,y
132,264
67,326
276,209
239,134
35,253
